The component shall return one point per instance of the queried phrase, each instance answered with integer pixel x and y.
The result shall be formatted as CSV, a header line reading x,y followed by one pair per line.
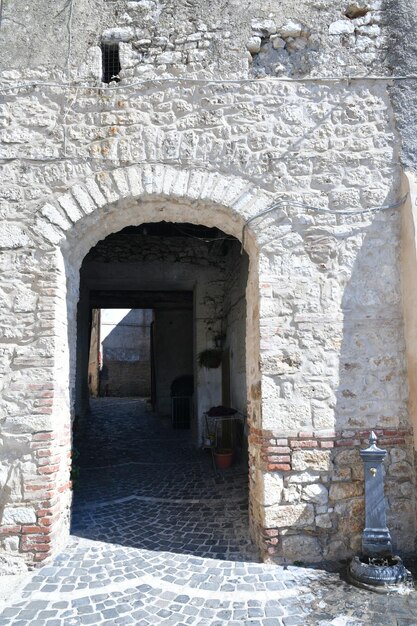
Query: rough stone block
x,y
289,516
121,182
134,177
323,520
254,44
70,207
318,460
94,191
13,236
351,516
304,478
107,186
18,515
292,494
341,491
283,416
272,489
316,494
301,548
341,27
52,214
48,231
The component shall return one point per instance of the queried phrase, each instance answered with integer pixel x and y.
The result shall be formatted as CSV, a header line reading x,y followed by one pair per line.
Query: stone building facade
x,y
279,125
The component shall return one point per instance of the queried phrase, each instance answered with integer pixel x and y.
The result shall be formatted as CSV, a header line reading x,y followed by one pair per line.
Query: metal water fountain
x,y
377,568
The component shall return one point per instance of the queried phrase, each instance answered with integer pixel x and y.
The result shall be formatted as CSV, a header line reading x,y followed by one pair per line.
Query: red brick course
x,y
276,451
50,451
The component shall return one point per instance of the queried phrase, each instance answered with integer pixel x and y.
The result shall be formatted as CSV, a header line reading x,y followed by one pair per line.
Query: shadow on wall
x,y
126,356
372,390
362,331
347,336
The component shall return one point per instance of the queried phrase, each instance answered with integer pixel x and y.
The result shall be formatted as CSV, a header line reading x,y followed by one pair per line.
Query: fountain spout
x,y
376,568
376,538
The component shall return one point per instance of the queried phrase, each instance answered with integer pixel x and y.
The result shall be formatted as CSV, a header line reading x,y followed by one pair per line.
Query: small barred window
x,y
110,62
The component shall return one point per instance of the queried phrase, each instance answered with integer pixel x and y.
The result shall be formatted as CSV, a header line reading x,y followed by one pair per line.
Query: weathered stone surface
x,y
272,489
180,138
348,458
297,515
12,564
402,469
291,29
286,416
318,460
266,25
350,516
340,491
323,520
254,44
286,363
341,27
11,544
303,478
18,515
13,236
317,494
291,494
301,548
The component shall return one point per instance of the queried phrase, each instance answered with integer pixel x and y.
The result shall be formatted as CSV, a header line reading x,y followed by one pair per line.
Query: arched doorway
x,y
67,227
141,458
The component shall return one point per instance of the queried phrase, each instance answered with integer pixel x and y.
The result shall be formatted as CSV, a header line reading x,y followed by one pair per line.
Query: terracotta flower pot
x,y
223,458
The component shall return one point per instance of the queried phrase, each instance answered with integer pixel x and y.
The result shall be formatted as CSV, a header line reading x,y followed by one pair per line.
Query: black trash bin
x,y
182,390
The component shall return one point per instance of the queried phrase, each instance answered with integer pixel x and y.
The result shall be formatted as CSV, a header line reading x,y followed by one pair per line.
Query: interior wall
x,y
125,350
82,356
94,354
409,292
235,326
135,262
173,353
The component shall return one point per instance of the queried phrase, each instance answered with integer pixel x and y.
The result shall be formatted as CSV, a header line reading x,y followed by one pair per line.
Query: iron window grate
x,y
110,62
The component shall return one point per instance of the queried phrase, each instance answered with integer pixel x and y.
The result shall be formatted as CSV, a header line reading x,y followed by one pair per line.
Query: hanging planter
x,y
210,358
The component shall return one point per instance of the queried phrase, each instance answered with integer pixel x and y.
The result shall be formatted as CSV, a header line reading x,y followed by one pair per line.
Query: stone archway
x,y
69,225
303,433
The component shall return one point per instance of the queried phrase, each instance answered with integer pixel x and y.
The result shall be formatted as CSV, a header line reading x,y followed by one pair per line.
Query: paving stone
x,y
186,530
294,620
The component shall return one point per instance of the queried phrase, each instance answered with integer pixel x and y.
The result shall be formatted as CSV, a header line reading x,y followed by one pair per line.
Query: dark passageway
x,y
143,484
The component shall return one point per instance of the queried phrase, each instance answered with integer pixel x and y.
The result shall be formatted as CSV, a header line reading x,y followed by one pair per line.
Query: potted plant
x,y
223,457
223,422
224,452
210,358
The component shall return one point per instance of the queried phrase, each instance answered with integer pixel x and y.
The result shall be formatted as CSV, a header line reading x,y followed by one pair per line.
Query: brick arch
x,y
70,224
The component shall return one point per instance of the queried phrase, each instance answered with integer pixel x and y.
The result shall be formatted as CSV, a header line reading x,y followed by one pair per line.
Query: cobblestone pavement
x,y
157,539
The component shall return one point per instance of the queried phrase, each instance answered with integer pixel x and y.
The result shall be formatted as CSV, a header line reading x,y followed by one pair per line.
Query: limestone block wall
x,y
308,130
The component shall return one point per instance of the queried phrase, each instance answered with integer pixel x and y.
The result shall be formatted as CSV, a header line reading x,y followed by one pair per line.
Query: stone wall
x,y
315,487
179,139
125,350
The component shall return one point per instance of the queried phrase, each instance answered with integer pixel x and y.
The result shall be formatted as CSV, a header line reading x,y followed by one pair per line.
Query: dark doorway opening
x,y
120,353
181,288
